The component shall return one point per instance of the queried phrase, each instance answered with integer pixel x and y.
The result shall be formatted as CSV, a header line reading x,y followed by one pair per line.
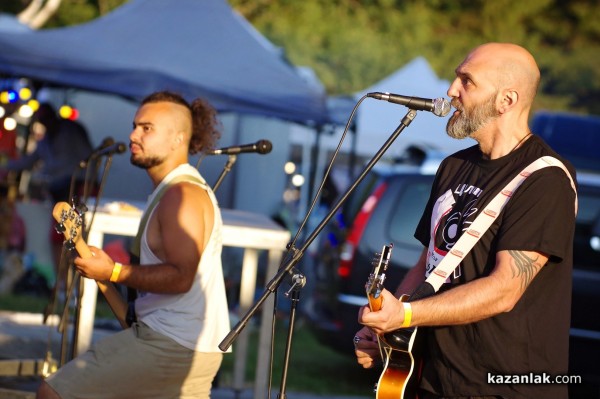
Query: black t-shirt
x,y
533,337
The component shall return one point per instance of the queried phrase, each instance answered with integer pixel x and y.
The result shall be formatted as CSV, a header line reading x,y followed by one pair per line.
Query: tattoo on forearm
x,y
523,267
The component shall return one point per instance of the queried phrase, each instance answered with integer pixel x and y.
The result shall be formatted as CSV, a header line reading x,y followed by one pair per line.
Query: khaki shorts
x,y
137,363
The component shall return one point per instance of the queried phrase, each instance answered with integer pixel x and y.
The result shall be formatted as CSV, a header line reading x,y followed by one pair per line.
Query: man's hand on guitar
x,y
97,267
388,318
366,348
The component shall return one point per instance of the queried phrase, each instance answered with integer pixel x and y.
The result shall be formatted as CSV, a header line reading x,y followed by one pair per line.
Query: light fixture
x,y
68,112
289,167
297,180
25,111
10,124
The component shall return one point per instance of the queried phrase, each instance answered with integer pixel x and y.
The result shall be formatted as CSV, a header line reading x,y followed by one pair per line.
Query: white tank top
x,y
199,318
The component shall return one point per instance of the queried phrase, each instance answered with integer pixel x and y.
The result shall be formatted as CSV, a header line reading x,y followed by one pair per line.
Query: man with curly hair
x,y
180,313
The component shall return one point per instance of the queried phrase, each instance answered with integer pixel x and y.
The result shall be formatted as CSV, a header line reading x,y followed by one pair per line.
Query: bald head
x,y
511,67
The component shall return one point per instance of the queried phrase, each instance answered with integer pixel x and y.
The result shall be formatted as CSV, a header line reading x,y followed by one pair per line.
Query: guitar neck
x,y
115,301
113,297
375,303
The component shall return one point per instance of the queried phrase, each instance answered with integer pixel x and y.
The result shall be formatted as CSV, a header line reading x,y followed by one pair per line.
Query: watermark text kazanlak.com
x,y
532,378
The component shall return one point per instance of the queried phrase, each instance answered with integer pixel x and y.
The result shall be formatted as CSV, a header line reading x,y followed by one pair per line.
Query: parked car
x,y
390,215
335,300
585,324
575,137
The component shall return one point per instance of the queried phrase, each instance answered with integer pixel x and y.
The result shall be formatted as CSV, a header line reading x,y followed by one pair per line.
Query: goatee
x,y
466,122
144,163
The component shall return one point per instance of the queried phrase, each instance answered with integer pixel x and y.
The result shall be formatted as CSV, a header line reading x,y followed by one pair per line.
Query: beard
x,y
468,121
145,163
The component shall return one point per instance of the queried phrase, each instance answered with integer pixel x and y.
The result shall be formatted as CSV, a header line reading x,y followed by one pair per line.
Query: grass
x,y
38,303
313,367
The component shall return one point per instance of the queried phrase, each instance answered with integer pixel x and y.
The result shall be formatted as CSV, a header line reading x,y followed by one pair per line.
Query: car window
x,y
574,137
589,207
407,212
356,199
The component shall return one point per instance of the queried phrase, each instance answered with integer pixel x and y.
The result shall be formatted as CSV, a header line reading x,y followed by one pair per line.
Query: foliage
x,y
70,12
352,44
12,6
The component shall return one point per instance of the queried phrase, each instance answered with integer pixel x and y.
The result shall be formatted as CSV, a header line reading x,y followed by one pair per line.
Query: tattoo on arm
x,y
524,267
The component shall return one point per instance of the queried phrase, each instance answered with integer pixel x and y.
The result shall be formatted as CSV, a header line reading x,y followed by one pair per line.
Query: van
x,y
573,136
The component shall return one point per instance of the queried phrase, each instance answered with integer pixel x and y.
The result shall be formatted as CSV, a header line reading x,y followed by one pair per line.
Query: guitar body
x,y
71,222
402,369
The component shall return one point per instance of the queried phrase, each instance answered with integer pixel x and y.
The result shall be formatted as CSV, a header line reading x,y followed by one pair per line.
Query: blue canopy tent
x,y
197,48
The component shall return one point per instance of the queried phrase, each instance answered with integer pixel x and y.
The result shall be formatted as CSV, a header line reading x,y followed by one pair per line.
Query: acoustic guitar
x,y
400,349
70,222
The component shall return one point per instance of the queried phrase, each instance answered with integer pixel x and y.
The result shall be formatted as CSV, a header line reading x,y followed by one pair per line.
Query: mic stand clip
x,y
226,169
298,282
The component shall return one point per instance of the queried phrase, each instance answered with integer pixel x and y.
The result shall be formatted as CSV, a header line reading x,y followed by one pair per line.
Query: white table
x,y
253,232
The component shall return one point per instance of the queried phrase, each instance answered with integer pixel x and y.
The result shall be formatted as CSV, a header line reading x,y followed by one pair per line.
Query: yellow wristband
x,y
116,271
407,314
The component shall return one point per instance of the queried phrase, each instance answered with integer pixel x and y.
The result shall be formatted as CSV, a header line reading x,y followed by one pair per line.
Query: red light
x,y
344,269
74,114
346,256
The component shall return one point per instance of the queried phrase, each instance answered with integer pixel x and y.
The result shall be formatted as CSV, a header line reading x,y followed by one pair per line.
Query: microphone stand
x,y
70,200
75,284
84,232
63,270
294,255
226,169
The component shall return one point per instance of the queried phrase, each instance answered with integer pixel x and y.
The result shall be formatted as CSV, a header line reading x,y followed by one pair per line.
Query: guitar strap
x,y
136,245
485,219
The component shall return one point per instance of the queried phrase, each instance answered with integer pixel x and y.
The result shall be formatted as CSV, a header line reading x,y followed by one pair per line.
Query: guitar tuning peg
x,y
82,209
69,244
60,228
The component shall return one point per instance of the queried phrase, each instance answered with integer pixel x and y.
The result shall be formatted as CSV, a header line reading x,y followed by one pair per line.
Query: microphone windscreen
x,y
264,146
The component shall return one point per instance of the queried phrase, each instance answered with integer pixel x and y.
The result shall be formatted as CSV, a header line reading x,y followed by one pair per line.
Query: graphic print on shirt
x,y
449,222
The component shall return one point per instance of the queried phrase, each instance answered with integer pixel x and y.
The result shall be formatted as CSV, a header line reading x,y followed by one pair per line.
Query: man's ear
x,y
177,140
509,98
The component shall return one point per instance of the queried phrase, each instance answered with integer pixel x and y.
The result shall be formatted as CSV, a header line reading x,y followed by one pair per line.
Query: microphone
x,y
261,146
115,148
108,141
439,106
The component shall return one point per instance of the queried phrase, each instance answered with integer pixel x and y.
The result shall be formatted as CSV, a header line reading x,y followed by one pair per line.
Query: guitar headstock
x,y
69,221
381,262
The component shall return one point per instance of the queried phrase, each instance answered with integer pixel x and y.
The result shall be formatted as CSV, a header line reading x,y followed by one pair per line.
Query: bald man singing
x,y
498,327
180,314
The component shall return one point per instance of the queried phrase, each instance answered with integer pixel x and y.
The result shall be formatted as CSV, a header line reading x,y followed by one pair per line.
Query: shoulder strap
x,y
136,245
485,219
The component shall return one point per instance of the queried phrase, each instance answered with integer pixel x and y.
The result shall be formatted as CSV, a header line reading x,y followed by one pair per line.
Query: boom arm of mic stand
x,y
107,166
298,253
226,169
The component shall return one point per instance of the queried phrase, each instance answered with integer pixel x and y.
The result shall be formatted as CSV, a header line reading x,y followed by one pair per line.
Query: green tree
x,y
70,12
351,44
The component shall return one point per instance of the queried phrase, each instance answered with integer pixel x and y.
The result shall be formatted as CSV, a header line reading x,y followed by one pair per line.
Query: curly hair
x,y
206,127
